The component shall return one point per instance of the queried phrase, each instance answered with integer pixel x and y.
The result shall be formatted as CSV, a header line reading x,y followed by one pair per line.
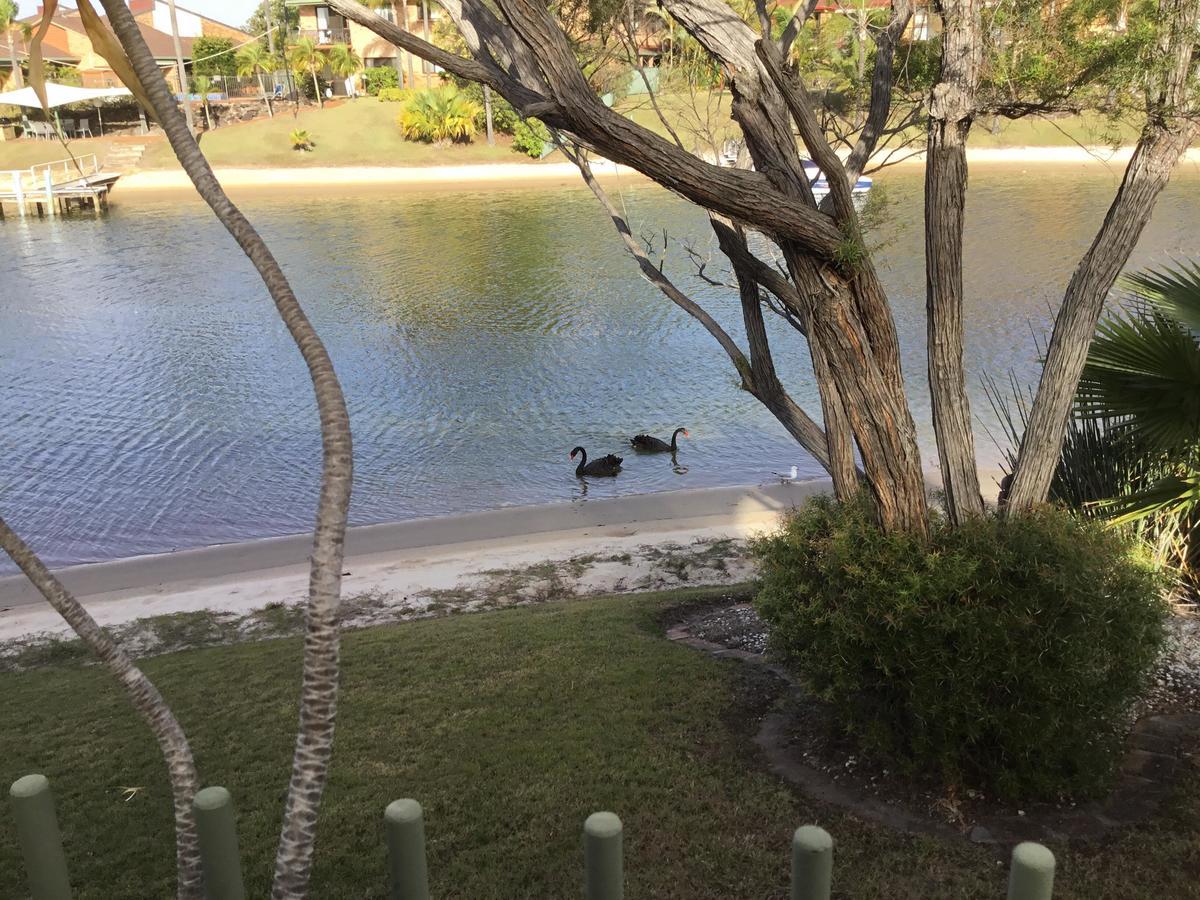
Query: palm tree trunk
x,y
318,699
13,61
142,694
317,89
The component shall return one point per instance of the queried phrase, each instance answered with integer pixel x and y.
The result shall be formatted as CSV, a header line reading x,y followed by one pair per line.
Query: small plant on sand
x,y
302,141
438,115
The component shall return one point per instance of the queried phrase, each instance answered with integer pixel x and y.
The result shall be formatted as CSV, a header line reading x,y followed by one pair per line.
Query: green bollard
x,y
41,841
220,860
405,827
604,877
812,863
1032,873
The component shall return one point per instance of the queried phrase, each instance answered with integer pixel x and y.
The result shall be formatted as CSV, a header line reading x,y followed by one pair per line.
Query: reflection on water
x,y
152,399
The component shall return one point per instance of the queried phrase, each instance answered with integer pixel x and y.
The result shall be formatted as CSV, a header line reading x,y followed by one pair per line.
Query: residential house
x,y
192,24
67,43
327,28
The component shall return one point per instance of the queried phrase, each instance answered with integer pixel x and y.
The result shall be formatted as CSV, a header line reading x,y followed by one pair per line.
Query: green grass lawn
x,y
509,727
21,154
360,132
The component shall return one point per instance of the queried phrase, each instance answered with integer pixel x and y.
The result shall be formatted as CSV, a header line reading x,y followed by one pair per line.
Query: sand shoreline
x,y
326,178
411,558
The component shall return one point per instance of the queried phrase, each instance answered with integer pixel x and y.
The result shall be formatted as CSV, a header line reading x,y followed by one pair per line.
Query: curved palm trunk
x,y
142,693
318,700
317,89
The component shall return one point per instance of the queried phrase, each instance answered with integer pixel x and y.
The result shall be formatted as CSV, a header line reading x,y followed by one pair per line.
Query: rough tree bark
x,y
142,694
318,700
951,108
1170,128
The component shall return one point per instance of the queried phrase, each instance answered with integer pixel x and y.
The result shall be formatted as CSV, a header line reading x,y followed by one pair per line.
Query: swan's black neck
x,y
582,460
675,438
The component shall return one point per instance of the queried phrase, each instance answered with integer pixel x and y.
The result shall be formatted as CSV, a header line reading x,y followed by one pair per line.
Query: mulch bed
x,y
798,737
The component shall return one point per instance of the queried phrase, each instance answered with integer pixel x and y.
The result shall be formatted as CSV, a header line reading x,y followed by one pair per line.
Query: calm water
x,y
151,400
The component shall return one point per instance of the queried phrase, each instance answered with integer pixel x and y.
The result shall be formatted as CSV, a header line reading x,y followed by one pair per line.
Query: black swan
x,y
649,444
605,465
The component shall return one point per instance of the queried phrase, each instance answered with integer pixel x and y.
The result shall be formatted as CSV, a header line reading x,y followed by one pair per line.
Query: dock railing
x,y
62,171
1031,873
45,184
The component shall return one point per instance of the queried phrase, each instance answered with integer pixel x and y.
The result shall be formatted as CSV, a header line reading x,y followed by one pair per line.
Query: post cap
x,y
812,839
1033,856
402,812
210,798
29,786
602,825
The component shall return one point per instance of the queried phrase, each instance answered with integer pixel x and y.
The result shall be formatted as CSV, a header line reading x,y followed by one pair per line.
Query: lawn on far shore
x,y
363,132
510,727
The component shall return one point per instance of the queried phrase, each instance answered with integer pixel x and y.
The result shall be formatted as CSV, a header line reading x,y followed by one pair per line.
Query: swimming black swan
x,y
605,465
649,444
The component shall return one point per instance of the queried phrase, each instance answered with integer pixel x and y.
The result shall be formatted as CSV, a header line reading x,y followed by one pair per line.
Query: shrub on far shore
x,y
1003,654
530,137
438,115
379,78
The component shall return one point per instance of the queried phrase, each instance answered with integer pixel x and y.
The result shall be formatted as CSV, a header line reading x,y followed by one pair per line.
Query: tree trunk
x,y
18,80
428,37
318,696
142,694
1147,174
317,89
1167,134
951,107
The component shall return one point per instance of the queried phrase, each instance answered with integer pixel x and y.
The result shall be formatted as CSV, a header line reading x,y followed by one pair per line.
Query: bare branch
x,y
881,89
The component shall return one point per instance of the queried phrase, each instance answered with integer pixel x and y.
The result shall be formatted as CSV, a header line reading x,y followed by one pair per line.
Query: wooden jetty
x,y
55,188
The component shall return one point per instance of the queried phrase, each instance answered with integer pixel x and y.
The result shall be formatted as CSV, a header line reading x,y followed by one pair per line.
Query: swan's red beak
x,y
686,433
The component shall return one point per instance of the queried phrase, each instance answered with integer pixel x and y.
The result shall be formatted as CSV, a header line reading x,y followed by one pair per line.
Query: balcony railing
x,y
327,35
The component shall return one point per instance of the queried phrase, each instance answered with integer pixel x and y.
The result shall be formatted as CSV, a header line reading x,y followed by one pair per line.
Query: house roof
x,y
160,43
52,50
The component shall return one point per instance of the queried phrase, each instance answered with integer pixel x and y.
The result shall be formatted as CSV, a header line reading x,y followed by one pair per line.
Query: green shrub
x,y
438,115
504,117
394,95
380,78
530,137
213,56
1003,654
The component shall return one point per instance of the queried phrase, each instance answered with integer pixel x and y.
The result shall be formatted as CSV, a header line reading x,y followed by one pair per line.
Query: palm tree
x,y
318,695
343,61
303,56
202,85
256,60
1141,382
8,25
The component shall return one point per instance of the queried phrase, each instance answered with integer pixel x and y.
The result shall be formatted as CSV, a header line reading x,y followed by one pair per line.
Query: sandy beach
x,y
414,563
326,178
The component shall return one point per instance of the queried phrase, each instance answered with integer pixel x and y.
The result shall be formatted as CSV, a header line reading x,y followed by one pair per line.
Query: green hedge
x,y
1002,654
380,78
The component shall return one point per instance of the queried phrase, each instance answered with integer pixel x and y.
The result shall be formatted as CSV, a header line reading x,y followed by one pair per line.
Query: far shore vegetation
x,y
363,132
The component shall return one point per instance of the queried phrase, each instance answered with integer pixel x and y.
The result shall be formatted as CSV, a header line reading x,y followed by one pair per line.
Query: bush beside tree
x,y
1004,653
379,78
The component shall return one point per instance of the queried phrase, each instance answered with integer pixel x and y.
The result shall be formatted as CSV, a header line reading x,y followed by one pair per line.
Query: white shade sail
x,y
60,95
